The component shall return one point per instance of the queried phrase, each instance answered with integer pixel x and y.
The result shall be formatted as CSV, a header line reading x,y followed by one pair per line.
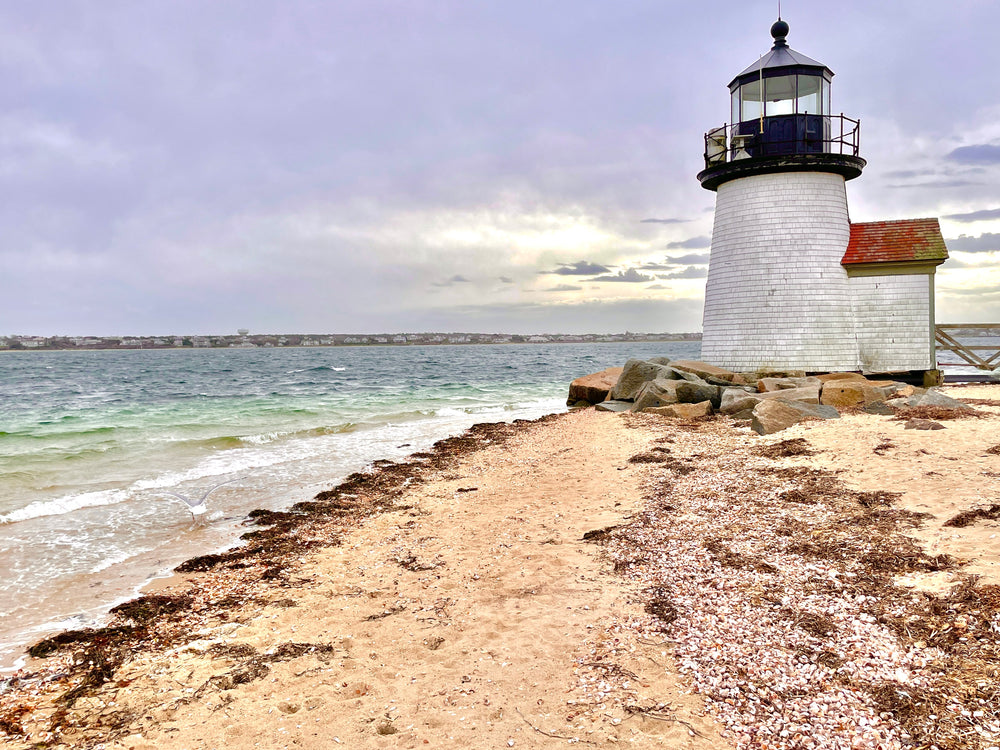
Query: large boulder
x,y
826,377
659,392
808,394
936,398
594,388
767,385
703,369
776,414
929,397
843,393
613,406
736,400
771,372
694,392
682,411
635,374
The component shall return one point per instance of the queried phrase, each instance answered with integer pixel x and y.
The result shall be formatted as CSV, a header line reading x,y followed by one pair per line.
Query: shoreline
x,y
387,579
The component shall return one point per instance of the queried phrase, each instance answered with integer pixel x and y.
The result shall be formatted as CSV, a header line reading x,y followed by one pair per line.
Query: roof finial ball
x,y
779,30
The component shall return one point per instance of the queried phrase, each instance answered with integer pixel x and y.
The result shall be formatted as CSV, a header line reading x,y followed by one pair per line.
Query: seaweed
x,y
785,449
969,517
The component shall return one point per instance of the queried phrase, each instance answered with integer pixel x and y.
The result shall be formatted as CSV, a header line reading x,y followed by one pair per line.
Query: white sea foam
x,y
65,504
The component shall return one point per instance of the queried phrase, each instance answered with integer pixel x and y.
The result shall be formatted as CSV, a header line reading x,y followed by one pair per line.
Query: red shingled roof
x,y
896,242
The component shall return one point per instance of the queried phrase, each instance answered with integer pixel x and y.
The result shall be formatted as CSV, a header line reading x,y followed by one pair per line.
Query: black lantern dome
x,y
781,110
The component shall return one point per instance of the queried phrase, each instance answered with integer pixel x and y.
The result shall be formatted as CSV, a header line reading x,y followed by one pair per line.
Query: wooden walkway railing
x,y
947,338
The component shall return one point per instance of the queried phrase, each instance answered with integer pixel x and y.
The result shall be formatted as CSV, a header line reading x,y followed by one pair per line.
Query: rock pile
x,y
772,400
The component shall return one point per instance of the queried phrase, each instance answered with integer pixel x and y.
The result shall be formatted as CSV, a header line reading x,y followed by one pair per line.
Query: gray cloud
x,y
983,153
907,174
565,288
692,259
982,215
984,243
506,280
937,184
670,264
630,276
456,279
580,268
664,221
692,243
688,273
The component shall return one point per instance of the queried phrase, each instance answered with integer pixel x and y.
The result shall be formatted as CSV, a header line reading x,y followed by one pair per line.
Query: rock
x,y
767,385
879,407
808,394
922,424
581,404
659,392
712,380
635,374
682,411
736,400
659,360
684,375
840,376
595,387
843,393
936,398
613,406
775,414
703,369
695,392
767,372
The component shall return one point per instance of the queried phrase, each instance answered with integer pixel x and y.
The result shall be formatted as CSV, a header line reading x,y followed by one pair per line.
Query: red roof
x,y
903,241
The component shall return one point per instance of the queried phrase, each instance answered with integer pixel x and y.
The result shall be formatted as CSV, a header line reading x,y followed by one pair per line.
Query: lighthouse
x,y
792,283
777,295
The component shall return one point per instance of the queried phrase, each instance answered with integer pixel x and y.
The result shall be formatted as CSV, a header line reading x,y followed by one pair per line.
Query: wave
x,y
317,368
41,508
35,434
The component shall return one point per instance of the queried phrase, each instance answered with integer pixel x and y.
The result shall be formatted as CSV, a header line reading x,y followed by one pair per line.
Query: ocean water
x,y
92,442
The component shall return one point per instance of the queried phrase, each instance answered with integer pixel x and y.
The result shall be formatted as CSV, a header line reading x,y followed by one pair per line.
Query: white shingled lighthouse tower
x,y
792,283
777,295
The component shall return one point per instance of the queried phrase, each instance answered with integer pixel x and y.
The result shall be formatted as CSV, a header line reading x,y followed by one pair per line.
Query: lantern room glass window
x,y
809,96
782,95
751,106
779,93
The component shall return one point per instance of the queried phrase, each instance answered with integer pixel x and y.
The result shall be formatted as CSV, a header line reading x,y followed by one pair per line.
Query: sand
x,y
470,612
939,472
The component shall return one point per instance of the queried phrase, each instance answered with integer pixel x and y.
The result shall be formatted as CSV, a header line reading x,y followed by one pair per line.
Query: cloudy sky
x,y
374,165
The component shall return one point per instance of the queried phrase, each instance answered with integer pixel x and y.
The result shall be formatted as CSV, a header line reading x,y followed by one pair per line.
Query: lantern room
x,y
781,107
781,104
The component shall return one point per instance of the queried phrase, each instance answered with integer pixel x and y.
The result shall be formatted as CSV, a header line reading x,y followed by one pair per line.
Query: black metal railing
x,y
783,135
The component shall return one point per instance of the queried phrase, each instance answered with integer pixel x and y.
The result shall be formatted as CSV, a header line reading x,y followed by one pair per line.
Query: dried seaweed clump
x,y
936,413
969,517
786,449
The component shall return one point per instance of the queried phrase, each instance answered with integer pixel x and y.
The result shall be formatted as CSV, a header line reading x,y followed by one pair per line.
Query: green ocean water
x,y
91,442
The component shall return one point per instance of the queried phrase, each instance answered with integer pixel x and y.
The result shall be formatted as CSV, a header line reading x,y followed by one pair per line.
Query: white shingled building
x,y
792,284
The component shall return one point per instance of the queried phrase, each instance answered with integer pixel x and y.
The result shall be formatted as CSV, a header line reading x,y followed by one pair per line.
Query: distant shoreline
x,y
286,341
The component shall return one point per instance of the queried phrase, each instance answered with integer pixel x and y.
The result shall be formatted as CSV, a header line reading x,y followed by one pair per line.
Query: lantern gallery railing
x,y
783,135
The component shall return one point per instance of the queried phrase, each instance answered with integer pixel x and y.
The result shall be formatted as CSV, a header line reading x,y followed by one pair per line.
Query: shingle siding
x,y
776,293
894,326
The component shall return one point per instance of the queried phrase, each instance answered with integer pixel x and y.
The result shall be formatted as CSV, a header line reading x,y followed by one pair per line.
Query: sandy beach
x,y
588,578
